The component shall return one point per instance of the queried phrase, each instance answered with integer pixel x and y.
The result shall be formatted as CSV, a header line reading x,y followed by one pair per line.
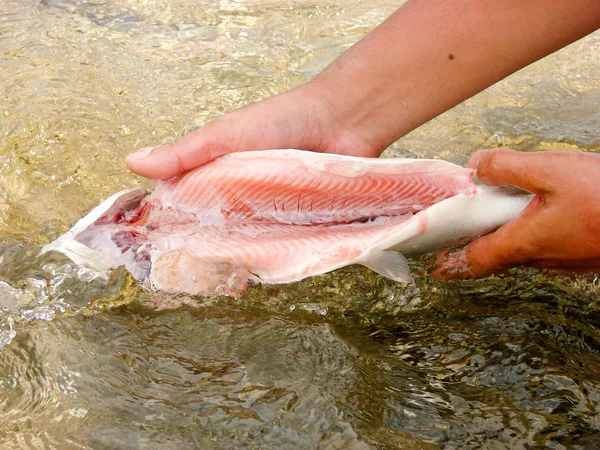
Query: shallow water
x,y
345,360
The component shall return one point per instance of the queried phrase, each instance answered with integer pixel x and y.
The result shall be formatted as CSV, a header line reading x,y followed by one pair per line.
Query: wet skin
x,y
559,229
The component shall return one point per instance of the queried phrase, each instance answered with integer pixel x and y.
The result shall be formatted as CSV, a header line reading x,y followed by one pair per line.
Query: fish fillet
x,y
296,187
278,216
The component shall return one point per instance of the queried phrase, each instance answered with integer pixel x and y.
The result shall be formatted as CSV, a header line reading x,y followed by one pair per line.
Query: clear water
x,y
345,360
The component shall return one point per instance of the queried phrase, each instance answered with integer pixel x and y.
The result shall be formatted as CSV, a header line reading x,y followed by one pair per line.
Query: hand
x,y
296,119
424,59
559,229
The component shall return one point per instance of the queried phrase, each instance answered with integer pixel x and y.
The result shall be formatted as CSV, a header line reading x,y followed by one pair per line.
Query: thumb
x,y
504,167
188,152
488,254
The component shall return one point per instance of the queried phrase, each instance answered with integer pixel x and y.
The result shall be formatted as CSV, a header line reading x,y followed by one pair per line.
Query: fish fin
x,y
79,253
392,265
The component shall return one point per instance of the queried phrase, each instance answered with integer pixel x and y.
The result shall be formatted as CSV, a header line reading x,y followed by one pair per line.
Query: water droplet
x,y
86,275
7,335
39,313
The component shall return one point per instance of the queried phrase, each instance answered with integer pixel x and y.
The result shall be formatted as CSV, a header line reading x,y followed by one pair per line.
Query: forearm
x,y
433,54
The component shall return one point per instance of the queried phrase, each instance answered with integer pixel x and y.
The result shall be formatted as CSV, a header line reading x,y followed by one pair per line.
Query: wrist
x,y
354,114
329,120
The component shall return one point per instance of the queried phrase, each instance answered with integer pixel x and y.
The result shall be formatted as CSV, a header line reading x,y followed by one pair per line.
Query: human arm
x,y
560,228
427,57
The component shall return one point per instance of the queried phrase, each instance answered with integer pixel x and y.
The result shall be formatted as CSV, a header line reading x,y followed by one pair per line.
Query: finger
x,y
504,167
506,247
188,152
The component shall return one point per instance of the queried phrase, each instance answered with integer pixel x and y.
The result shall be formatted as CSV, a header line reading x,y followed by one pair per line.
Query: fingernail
x,y
475,160
141,153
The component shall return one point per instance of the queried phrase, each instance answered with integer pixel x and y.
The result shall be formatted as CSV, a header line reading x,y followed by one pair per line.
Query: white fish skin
x,y
459,219
195,252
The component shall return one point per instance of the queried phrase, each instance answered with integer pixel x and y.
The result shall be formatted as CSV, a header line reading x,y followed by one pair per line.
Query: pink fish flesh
x,y
278,216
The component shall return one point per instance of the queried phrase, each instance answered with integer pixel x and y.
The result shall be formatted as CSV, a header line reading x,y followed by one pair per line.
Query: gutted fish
x,y
279,216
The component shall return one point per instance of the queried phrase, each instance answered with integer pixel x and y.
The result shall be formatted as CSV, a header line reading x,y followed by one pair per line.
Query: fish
x,y
279,216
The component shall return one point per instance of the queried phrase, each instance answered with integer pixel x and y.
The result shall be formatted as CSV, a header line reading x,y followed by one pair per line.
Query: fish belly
x,y
221,258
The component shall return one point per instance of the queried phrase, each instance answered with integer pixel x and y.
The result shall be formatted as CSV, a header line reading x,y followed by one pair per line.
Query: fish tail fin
x,y
79,253
82,254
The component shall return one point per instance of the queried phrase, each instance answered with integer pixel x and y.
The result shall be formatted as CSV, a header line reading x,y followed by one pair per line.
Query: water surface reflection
x,y
345,360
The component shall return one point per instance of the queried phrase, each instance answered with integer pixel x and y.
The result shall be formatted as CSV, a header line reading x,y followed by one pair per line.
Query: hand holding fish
x,y
559,229
279,216
423,60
